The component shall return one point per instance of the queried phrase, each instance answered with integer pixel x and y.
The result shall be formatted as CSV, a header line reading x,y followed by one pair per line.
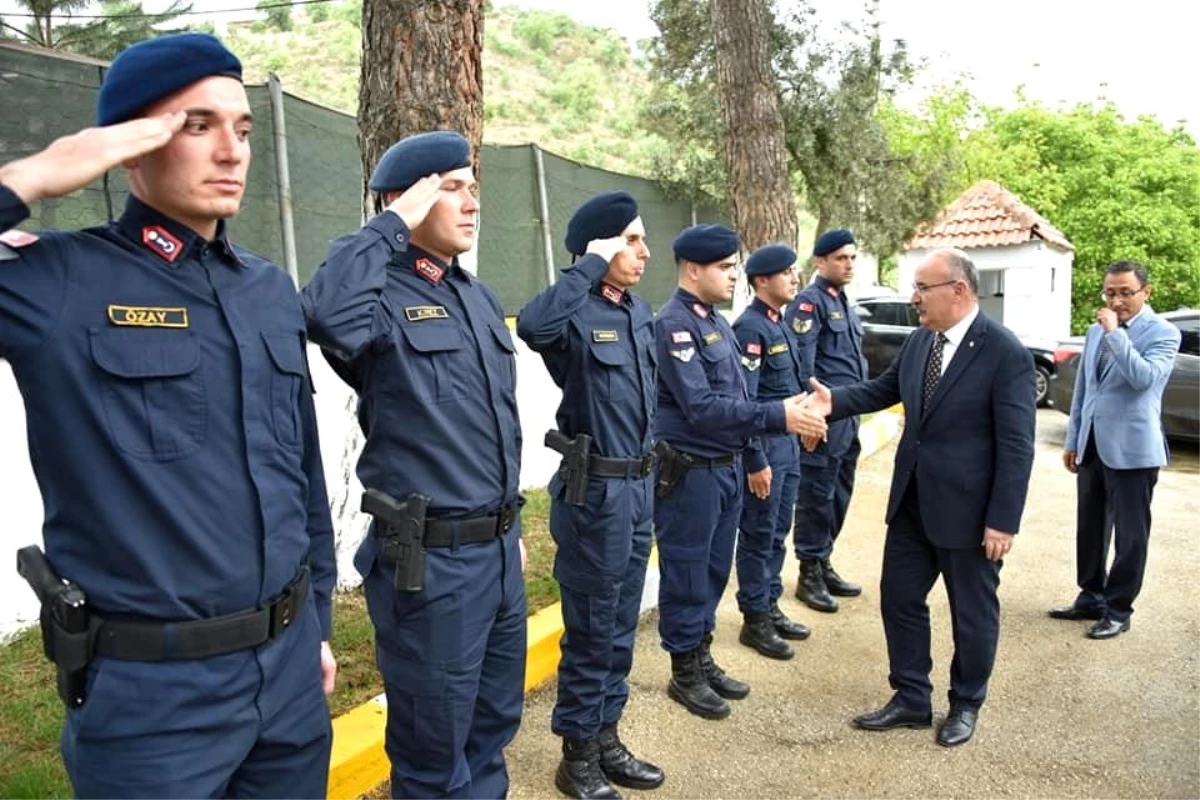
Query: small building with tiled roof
x,y
1024,262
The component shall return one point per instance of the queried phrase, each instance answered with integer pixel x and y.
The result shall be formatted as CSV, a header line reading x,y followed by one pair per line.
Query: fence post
x,y
284,177
544,210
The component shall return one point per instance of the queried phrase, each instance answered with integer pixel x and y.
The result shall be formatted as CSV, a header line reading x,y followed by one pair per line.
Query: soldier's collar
x,y
770,313
611,293
827,286
168,239
432,268
694,304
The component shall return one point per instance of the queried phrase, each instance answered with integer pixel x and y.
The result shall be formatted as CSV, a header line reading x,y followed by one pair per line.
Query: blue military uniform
x,y
426,346
597,342
829,334
705,412
172,433
772,369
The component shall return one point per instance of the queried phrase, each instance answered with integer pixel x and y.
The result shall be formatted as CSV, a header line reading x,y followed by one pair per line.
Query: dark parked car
x,y
1181,400
887,322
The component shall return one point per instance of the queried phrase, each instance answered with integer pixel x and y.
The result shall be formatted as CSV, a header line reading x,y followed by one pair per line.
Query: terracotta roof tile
x,y
987,215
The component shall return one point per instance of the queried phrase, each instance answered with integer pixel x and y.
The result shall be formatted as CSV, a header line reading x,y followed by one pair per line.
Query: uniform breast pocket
x,y
506,353
287,381
152,390
719,365
439,363
612,366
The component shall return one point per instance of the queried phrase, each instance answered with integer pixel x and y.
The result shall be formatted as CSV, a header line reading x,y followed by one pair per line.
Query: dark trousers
x,y
695,527
911,565
821,504
763,530
452,657
1107,499
603,548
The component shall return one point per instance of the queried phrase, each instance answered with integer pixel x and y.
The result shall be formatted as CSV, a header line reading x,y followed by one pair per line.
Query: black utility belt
x,y
605,467
440,532
700,462
154,640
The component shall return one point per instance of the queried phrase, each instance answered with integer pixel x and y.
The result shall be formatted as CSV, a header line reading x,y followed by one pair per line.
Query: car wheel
x,y
1041,383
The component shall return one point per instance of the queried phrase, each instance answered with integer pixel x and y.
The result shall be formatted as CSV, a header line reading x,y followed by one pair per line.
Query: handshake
x,y
805,414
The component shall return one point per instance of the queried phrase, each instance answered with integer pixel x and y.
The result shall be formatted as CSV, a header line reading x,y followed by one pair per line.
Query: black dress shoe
x,y
1107,628
787,628
894,715
958,728
1074,612
758,632
836,584
624,768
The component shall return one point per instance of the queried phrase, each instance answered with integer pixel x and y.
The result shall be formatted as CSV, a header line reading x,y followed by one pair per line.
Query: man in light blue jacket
x,y
1115,445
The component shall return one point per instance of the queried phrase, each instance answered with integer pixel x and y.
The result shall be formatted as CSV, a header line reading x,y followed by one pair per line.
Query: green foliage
x,y
122,23
279,15
1118,189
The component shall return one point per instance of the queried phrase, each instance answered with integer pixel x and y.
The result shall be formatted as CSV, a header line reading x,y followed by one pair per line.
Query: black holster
x,y
400,527
672,464
574,468
68,629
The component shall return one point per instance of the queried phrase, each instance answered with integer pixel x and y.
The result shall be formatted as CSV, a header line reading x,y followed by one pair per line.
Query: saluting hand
x,y
414,203
996,544
72,162
760,483
606,248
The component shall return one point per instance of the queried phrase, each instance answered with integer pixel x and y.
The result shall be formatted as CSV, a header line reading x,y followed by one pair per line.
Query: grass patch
x,y
31,715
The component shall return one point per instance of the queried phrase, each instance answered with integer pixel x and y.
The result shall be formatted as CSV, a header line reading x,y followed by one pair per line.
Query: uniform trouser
x,y
452,658
821,503
763,531
248,724
600,563
695,527
911,565
1108,498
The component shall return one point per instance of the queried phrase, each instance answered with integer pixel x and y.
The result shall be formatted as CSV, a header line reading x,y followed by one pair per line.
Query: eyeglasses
x,y
923,290
1124,294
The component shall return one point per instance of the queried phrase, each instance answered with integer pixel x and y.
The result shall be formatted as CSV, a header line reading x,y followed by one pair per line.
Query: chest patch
x,y
776,349
604,336
162,243
712,337
685,354
148,316
836,315
421,313
429,270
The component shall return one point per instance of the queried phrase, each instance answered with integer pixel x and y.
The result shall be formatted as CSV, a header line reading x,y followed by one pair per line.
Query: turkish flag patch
x,y
429,270
163,244
806,307
681,336
754,349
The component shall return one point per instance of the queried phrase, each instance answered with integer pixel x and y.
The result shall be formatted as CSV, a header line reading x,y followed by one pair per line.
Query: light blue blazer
x,y
1123,407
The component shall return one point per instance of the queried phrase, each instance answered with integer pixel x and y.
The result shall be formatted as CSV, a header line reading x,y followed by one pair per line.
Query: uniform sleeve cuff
x,y
392,229
592,267
325,618
776,418
756,459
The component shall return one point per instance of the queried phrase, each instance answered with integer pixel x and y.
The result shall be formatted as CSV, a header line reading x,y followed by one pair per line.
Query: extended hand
x,y
414,203
328,668
72,162
1070,461
802,419
760,483
820,400
811,442
1107,319
606,248
996,544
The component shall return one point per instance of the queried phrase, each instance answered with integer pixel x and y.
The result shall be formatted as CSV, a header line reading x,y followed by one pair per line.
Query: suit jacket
x,y
1125,403
971,450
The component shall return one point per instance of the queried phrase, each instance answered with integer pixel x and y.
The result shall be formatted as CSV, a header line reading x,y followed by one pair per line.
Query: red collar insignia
x,y
18,239
429,270
832,292
612,294
772,315
700,310
164,245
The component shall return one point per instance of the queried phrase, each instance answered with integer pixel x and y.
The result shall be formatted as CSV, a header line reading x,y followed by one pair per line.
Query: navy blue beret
x,y
414,157
769,259
604,216
146,72
832,240
704,244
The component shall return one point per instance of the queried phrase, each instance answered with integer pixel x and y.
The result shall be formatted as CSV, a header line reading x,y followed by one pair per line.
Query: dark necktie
x,y
933,369
1105,355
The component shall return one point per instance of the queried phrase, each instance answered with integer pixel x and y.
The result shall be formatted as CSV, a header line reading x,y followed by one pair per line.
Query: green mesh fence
x,y
47,95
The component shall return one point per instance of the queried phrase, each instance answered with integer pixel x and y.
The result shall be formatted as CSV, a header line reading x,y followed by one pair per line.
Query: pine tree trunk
x,y
760,192
421,71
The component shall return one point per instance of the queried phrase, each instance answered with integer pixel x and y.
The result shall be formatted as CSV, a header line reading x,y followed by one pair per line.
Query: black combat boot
x,y
759,633
721,683
786,628
579,774
624,768
689,688
811,588
837,585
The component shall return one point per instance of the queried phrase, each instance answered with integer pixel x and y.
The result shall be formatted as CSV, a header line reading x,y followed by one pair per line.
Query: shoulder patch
x,y
684,355
776,349
421,313
750,364
808,307
604,336
754,349
712,337
681,336
802,325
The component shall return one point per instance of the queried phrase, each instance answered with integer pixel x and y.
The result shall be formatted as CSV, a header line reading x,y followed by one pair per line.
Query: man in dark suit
x,y
958,490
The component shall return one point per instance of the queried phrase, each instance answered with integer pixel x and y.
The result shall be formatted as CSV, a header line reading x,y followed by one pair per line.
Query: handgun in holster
x,y
672,464
68,632
574,469
401,530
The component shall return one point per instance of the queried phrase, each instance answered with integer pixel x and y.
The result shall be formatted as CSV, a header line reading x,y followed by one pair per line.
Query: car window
x,y
1190,328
